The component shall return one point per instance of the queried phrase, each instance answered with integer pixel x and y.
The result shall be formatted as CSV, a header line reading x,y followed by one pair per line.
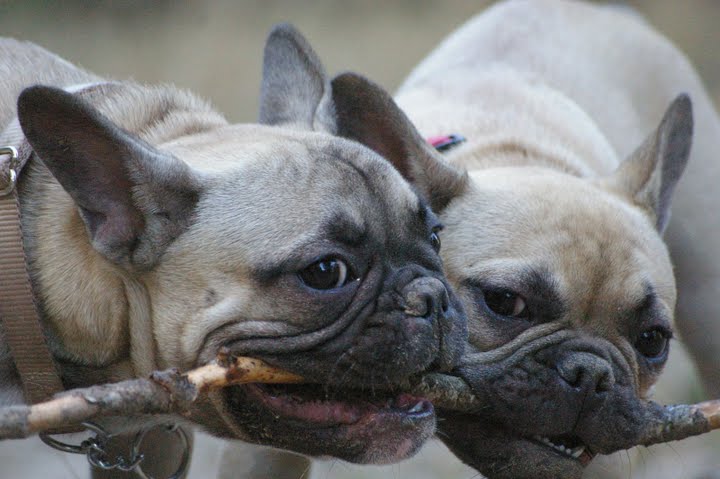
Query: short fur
x,y
157,234
552,95
578,131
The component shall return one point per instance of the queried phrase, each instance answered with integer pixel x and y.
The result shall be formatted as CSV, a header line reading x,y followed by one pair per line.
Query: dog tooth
x,y
416,408
577,452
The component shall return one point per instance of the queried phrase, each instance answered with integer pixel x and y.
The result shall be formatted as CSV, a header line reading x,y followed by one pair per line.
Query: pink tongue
x,y
321,411
329,411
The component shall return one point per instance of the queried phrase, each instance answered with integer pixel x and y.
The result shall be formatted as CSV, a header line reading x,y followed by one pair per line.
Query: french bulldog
x,y
578,126
157,234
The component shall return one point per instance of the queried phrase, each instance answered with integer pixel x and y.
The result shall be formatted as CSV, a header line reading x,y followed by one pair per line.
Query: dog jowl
x,y
158,234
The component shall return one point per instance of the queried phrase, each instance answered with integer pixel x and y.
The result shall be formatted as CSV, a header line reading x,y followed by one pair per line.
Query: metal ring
x,y
11,151
184,462
100,436
94,449
12,171
12,181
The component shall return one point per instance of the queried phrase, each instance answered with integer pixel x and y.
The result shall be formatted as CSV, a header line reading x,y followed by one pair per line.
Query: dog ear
x,y
366,113
294,82
650,174
133,199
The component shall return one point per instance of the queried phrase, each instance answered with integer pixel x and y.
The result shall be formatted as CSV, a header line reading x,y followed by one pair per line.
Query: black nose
x,y
425,297
586,373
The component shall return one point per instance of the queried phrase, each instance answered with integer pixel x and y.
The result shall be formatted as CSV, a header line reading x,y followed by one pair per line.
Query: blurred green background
x,y
215,47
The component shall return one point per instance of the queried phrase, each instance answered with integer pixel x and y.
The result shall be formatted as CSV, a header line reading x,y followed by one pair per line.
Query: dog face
x,y
276,241
337,294
570,295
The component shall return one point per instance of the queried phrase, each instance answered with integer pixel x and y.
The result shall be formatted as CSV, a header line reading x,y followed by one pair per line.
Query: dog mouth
x,y
502,452
360,426
322,407
567,446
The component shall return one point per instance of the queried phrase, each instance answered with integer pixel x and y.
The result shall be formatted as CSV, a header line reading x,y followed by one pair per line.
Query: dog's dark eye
x,y
653,343
504,302
435,239
328,273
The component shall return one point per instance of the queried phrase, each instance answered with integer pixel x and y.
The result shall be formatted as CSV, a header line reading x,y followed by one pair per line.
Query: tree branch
x,y
164,392
662,423
174,392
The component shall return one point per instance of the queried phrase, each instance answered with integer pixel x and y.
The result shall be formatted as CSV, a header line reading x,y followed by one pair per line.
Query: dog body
x,y
157,234
555,247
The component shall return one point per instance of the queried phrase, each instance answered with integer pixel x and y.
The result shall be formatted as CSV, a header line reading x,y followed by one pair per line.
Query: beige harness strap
x,y
18,313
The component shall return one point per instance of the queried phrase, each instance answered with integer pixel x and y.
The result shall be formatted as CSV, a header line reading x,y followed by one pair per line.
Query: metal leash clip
x,y
8,179
95,448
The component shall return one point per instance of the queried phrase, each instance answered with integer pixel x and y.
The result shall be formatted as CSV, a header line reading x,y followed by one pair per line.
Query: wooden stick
x,y
662,423
174,392
165,392
673,423
448,392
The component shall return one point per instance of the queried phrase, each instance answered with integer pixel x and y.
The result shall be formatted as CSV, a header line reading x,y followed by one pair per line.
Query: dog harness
x,y
19,316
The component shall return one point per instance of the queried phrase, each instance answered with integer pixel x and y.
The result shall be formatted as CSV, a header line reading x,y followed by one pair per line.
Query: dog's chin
x,y
501,453
312,420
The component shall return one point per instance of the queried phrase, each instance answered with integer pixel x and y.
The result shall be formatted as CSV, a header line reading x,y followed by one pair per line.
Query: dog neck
x,y
509,119
96,315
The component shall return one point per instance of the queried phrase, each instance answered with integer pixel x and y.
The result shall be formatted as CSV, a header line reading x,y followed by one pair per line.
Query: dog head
x,y
570,294
279,241
570,298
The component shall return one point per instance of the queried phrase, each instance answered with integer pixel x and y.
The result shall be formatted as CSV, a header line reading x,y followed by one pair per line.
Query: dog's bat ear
x,y
133,199
650,174
294,82
366,113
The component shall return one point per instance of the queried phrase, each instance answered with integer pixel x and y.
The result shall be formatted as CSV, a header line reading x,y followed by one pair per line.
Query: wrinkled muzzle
x,y
544,405
397,325
563,384
417,324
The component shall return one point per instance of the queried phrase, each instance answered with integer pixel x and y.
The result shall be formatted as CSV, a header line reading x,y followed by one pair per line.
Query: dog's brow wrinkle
x,y
344,229
339,157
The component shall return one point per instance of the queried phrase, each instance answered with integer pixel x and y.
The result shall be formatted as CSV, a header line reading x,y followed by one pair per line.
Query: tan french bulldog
x,y
555,243
157,233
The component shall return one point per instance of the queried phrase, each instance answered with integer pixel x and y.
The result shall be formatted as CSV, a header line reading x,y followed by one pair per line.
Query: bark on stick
x,y
164,392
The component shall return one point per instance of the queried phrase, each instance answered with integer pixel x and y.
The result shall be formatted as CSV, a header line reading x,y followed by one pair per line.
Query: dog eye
x,y
504,302
435,240
653,343
328,273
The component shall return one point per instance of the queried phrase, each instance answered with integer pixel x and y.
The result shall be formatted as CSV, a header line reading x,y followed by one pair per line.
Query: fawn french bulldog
x,y
158,234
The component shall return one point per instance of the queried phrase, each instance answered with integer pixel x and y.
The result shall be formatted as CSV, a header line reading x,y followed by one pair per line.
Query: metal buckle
x,y
12,171
95,449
